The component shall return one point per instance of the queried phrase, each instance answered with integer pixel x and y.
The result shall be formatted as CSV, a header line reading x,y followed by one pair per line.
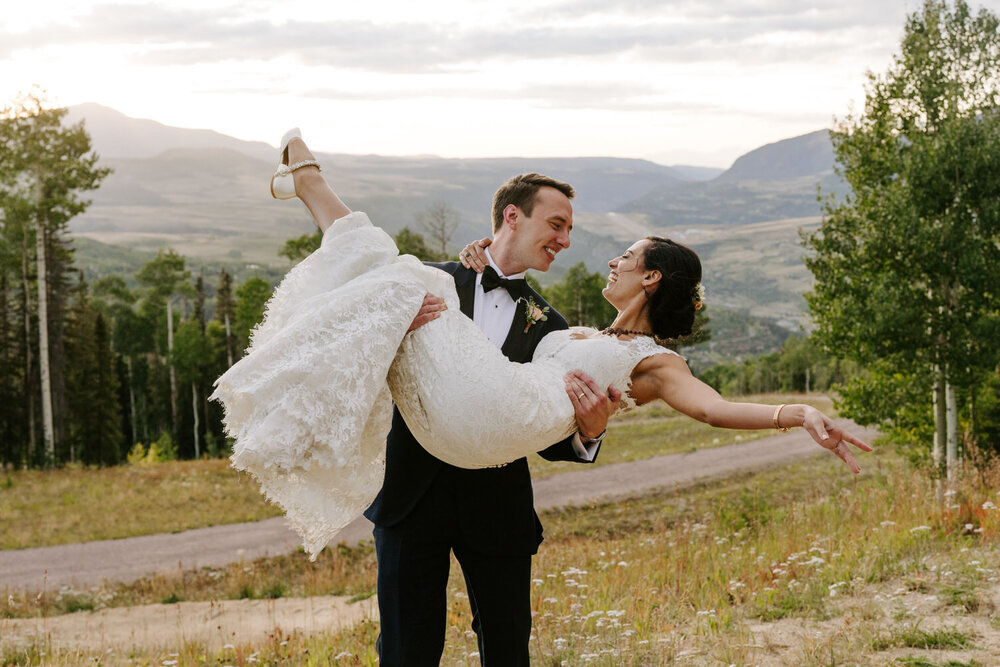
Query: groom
x,y
427,508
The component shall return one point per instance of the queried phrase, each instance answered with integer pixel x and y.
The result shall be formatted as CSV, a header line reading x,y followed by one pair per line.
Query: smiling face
x,y
625,279
532,241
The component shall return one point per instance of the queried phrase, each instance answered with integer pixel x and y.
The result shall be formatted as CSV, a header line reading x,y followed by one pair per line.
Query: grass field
x,y
799,565
43,508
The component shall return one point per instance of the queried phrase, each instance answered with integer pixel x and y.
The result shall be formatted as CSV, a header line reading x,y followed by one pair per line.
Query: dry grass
x,y
75,504
802,565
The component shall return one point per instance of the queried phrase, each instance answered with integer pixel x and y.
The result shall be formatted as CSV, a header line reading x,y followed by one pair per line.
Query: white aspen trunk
x,y
194,410
131,400
43,348
32,436
170,366
940,431
229,341
952,435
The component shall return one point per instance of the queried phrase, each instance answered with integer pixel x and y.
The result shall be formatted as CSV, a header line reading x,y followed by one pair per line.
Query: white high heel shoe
x,y
282,183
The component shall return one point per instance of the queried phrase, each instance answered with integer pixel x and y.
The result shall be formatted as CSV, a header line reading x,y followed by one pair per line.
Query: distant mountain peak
x,y
115,135
806,155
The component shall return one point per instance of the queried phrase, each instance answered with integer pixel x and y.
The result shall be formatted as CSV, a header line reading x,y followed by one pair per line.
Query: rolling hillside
x,y
205,194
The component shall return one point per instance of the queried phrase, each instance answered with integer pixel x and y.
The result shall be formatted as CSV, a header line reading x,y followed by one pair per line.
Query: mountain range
x,y
205,194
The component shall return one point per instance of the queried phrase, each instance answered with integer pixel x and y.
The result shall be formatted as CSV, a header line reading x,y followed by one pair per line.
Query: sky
x,y
695,82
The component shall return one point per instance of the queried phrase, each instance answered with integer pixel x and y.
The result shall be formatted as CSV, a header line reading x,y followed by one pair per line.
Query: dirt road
x,y
82,565
217,623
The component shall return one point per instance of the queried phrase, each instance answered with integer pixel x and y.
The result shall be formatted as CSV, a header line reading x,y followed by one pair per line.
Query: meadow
x,y
801,564
45,508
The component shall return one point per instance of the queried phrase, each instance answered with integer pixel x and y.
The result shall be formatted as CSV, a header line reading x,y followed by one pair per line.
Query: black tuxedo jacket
x,y
493,506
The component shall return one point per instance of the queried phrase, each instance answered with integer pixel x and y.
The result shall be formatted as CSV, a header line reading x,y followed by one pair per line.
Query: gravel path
x,y
130,558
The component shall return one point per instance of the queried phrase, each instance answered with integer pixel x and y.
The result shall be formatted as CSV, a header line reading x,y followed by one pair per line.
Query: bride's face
x,y
625,277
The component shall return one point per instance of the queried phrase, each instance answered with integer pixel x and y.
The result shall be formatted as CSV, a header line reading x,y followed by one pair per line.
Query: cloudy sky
x,y
676,81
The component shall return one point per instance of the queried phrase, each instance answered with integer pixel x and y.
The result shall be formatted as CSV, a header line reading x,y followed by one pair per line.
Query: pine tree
x,y
44,167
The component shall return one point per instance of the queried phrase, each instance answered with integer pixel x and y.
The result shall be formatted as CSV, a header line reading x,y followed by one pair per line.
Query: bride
x,y
310,404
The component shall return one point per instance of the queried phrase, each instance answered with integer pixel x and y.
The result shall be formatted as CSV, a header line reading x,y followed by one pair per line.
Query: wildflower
x,y
833,587
622,563
707,612
920,529
537,582
988,505
887,523
815,560
343,654
228,646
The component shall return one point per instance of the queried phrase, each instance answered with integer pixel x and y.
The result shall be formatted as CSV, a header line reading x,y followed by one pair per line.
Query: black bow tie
x,y
516,287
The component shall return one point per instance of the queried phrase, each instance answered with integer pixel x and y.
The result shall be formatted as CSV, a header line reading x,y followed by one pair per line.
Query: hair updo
x,y
672,305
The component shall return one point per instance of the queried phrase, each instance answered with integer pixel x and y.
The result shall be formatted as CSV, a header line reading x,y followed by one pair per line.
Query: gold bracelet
x,y
777,411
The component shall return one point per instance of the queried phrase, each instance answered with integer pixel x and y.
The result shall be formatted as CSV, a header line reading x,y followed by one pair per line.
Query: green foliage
x,y
301,247
579,298
251,297
158,452
800,366
905,266
412,243
192,351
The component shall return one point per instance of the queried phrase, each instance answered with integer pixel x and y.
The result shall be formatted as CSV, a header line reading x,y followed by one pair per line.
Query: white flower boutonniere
x,y
533,312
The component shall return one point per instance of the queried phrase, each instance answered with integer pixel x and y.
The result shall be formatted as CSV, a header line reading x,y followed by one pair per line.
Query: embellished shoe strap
x,y
289,168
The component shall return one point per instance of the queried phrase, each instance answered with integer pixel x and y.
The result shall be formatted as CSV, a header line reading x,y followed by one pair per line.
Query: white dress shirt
x,y
493,312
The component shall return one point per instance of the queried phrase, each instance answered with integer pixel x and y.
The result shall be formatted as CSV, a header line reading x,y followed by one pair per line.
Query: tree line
x,y
122,367
87,371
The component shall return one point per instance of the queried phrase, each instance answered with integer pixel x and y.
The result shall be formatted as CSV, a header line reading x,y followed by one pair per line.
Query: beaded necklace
x,y
612,331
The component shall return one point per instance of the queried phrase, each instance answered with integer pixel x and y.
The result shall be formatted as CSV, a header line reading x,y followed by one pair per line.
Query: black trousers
x,y
414,557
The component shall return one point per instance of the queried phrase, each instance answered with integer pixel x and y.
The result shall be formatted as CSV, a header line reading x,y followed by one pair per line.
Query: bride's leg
x,y
312,188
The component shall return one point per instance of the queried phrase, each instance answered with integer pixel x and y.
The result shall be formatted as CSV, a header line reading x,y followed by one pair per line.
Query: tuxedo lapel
x,y
465,285
520,344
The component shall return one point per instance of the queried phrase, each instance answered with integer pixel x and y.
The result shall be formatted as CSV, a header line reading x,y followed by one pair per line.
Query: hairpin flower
x,y
698,296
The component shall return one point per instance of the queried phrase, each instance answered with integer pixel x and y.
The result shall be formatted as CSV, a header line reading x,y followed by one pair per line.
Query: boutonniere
x,y
533,312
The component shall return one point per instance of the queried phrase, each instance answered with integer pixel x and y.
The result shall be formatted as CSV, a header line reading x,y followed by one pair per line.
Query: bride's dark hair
x,y
672,305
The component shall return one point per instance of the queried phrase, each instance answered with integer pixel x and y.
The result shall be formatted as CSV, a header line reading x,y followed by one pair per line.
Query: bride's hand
x,y
832,437
473,256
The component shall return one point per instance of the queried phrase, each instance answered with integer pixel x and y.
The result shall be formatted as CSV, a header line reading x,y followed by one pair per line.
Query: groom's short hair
x,y
521,190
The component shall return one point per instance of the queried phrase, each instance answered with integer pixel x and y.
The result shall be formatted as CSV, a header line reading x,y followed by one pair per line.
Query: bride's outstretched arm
x,y
668,378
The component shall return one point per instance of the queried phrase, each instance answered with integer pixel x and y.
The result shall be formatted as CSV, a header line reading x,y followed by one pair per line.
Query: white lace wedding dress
x,y
310,404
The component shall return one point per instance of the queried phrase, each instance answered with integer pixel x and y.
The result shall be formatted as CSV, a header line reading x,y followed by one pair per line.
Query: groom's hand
x,y
430,310
592,403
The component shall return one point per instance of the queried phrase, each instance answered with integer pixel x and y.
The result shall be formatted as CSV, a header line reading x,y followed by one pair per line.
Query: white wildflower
x,y
920,529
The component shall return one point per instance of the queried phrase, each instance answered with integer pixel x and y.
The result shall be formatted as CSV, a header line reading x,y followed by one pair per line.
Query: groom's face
x,y
540,236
